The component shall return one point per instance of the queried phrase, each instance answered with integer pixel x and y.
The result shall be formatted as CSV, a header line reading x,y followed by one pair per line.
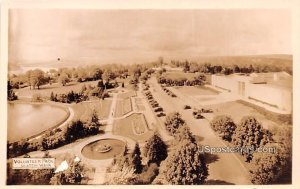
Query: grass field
x,y
179,74
134,127
45,90
124,104
238,110
196,90
123,107
84,109
127,94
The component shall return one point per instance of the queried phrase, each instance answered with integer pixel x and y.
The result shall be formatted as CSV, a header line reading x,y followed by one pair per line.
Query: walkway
x,y
110,120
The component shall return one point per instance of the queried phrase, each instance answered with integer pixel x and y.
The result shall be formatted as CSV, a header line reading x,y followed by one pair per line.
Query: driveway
x,y
223,167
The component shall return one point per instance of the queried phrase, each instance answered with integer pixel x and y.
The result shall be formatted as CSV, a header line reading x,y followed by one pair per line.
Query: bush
x,y
224,125
37,97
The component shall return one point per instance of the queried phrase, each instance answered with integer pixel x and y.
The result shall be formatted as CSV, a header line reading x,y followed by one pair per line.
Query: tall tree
x,y
136,159
186,165
155,150
63,79
250,134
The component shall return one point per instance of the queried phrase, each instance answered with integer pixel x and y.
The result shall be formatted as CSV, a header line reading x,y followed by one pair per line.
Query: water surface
x,y
26,120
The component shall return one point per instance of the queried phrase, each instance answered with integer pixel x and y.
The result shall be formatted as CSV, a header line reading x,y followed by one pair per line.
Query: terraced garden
x,y
134,127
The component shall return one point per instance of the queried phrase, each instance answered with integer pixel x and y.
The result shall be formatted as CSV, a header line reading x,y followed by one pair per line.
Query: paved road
x,y
226,167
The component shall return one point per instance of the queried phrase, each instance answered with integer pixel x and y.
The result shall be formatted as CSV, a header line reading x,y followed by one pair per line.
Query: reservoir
x,y
26,120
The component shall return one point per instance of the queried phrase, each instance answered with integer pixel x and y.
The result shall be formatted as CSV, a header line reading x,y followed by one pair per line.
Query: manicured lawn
x,y
179,74
45,90
133,126
127,95
196,90
238,110
84,109
123,105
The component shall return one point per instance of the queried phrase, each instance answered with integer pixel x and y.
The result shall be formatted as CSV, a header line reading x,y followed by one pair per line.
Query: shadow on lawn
x,y
218,182
210,158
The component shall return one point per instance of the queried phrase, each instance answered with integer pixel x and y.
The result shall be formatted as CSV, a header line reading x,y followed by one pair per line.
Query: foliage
x,y
63,79
186,165
173,122
37,97
73,175
122,177
36,78
184,134
272,168
57,137
224,125
266,168
28,176
181,80
136,159
10,93
148,174
250,134
155,150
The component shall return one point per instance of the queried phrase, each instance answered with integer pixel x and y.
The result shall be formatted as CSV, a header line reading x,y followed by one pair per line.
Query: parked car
x,y
198,116
158,109
186,107
160,114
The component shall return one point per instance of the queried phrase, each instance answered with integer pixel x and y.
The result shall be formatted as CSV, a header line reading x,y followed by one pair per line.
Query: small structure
x,y
273,89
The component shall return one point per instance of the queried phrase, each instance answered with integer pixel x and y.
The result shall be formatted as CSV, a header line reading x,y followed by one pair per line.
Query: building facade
x,y
265,89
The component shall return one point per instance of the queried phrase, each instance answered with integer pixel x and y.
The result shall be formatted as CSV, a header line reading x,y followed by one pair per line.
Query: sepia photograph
x,y
149,97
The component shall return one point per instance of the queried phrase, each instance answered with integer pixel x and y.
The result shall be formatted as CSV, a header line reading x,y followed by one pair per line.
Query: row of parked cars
x,y
154,104
170,93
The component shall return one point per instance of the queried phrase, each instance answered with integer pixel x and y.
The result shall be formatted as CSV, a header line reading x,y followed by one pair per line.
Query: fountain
x,y
103,149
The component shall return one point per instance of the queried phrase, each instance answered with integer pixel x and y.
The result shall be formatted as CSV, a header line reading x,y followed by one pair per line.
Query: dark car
x,y
160,114
186,107
158,109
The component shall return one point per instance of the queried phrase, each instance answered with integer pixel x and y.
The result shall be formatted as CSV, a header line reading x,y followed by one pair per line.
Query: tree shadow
x,y
210,158
218,182
199,138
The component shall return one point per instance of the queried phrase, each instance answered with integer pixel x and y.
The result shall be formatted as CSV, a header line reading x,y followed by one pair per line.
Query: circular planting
x,y
103,149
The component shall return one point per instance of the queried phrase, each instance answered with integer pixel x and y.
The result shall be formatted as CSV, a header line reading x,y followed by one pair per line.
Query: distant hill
x,y
284,60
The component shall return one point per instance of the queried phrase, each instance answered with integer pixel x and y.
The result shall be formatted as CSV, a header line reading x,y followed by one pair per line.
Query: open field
x,y
84,109
134,127
196,90
45,90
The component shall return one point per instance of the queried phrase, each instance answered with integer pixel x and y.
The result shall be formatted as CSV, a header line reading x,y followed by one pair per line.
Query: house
x,y
273,89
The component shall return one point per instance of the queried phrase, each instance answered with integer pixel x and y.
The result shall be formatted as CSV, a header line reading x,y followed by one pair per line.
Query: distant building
x,y
272,89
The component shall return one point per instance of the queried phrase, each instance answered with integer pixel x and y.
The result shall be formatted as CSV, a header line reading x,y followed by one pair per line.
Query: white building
x,y
266,89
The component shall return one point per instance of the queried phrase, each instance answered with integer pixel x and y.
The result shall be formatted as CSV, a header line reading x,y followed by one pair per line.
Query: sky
x,y
41,36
